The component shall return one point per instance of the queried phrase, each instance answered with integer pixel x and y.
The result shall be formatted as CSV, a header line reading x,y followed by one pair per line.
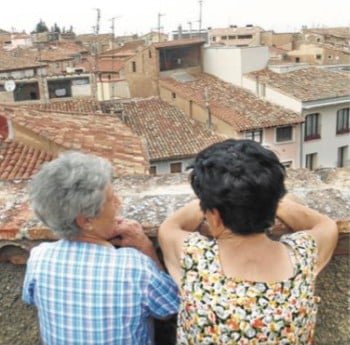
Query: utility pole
x,y
190,25
200,17
159,27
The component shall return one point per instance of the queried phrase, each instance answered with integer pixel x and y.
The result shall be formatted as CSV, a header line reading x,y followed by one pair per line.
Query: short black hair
x,y
242,180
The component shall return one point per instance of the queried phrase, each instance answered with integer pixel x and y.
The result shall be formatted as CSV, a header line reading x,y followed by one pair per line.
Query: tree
x,y
41,27
56,28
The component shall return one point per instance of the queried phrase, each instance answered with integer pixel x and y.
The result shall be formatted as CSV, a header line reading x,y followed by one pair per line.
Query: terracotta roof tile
x,y
77,105
19,161
306,84
110,64
111,138
238,107
9,62
338,31
169,132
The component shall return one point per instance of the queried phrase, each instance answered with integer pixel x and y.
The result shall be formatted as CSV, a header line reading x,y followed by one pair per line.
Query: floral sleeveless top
x,y
223,310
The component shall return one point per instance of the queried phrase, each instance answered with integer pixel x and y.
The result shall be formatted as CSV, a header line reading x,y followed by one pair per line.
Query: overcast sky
x,y
140,16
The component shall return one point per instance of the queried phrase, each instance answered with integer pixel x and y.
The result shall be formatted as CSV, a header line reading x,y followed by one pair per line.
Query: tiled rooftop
x,y
105,136
51,52
12,63
77,105
169,132
306,84
110,65
20,161
127,49
339,31
236,106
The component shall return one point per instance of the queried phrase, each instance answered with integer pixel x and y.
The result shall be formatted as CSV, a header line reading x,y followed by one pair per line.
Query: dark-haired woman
x,y
237,285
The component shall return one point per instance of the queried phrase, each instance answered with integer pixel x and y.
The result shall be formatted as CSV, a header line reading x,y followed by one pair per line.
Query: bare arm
x,y
321,227
173,232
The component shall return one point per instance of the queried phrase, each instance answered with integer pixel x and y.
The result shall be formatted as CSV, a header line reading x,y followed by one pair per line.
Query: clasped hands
x,y
129,233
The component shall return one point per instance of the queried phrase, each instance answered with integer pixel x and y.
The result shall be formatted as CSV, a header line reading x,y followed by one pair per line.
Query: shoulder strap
x,y
304,249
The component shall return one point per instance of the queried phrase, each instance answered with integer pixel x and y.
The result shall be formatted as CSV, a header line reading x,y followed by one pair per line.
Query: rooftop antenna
x,y
159,27
190,25
95,51
112,28
113,21
97,27
200,17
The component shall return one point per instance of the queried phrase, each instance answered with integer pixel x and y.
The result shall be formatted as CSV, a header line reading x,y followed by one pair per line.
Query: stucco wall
x,y
286,151
327,146
234,62
163,167
272,95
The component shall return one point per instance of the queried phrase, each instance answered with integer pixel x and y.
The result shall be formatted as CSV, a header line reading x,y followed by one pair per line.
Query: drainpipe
x,y
301,145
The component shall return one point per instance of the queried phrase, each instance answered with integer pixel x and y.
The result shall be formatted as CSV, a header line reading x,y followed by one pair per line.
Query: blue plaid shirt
x,y
91,294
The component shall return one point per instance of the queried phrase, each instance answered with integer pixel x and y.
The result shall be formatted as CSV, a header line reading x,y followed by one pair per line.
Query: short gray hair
x,y
73,184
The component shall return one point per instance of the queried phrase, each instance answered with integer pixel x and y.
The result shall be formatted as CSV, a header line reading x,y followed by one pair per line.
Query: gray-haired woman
x,y
85,290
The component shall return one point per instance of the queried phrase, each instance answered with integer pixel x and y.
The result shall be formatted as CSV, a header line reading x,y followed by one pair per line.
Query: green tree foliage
x,y
41,27
56,28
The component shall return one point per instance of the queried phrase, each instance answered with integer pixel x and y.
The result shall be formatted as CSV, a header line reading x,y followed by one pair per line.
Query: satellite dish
x,y
10,85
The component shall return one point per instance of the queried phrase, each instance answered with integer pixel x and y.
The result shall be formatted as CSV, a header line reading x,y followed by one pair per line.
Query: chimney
x,y
208,108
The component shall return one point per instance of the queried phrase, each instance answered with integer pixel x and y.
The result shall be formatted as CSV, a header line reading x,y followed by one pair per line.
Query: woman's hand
x,y
129,233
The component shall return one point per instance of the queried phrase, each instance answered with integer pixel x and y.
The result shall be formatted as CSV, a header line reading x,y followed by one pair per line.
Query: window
x,y
153,170
330,57
254,135
312,130
176,167
244,37
213,38
224,37
287,164
311,161
318,56
231,37
342,156
133,63
343,121
284,134
297,59
150,53
173,95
